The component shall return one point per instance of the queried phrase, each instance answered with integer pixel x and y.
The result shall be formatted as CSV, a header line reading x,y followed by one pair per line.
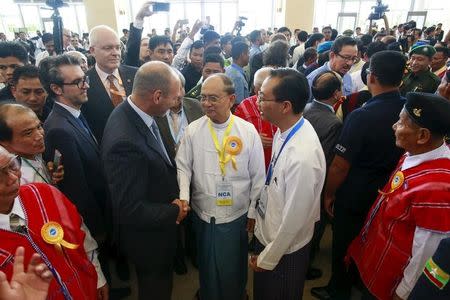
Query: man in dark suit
x,y
142,180
327,91
110,82
67,131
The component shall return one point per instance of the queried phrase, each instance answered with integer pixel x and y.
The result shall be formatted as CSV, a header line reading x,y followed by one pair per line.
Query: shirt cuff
x,y
402,290
251,212
138,23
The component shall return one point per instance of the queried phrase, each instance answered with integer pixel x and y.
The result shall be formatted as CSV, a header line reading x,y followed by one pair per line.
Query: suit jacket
x,y
193,110
142,185
133,47
99,107
84,183
327,126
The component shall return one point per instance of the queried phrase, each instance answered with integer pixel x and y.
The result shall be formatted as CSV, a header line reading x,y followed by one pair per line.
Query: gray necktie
x,y
155,131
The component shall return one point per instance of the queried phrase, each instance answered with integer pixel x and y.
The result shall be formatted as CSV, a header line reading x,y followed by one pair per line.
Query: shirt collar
x,y
324,104
283,135
148,120
16,209
223,125
103,75
237,68
74,112
415,160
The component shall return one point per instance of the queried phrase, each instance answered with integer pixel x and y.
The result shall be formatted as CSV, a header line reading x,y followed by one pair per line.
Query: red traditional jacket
x,y
74,275
416,197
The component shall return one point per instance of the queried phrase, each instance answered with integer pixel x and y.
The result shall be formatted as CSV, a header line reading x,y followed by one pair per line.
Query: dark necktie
x,y
155,131
81,120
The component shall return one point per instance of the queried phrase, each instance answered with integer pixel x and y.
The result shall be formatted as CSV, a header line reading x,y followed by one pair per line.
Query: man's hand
x,y
58,174
183,209
103,292
145,11
32,285
253,264
250,225
328,203
195,28
266,141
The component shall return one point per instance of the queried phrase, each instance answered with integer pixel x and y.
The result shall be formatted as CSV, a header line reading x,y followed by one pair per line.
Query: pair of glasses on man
x,y
13,166
80,83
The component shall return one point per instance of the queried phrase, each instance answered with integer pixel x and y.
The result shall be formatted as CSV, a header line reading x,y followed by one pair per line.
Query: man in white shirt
x,y
289,205
221,158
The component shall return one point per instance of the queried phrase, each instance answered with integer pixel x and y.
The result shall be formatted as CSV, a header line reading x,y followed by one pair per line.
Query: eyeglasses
x,y
353,59
211,98
13,166
260,98
80,83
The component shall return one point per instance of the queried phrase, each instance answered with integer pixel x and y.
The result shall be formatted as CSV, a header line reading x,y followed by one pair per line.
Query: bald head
x,y
260,76
326,86
222,81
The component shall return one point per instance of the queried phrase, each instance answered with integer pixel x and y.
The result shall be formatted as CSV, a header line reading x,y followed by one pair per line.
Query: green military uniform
x,y
424,81
195,92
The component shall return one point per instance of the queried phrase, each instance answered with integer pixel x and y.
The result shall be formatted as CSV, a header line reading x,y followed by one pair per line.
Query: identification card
x,y
224,193
262,203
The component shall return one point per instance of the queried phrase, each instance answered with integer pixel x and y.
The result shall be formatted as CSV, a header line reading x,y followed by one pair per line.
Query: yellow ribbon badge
x,y
53,233
233,146
396,182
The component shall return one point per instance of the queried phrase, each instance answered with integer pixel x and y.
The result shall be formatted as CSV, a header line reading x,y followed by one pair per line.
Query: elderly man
x,y
110,83
412,212
342,56
289,205
53,228
221,173
249,111
142,179
420,78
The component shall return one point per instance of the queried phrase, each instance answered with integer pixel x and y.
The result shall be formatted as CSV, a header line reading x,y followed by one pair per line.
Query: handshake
x,y
183,207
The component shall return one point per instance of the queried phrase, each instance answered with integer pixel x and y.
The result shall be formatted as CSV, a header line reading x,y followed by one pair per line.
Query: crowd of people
x,y
234,151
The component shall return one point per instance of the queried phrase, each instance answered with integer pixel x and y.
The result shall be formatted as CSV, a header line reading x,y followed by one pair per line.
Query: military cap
x,y
426,50
429,111
325,46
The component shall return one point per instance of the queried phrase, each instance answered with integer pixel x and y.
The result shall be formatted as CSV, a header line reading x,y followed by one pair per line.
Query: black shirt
x,y
367,141
5,94
192,76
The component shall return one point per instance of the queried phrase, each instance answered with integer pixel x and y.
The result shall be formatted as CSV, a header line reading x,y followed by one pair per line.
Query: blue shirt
x,y
346,80
237,75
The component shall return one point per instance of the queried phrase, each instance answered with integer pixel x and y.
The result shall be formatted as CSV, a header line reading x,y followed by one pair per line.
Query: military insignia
x,y
417,112
53,233
435,274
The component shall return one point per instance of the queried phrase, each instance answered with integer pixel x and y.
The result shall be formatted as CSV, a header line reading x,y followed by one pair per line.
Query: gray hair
x,y
96,34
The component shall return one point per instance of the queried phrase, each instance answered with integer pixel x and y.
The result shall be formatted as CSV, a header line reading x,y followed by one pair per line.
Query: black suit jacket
x,y
193,110
327,126
133,47
84,183
142,185
99,107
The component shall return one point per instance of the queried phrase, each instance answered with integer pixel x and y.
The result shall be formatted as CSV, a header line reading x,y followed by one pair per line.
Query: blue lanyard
x,y
274,160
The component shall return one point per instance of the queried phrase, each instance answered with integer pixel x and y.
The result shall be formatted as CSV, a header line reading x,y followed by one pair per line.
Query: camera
x,y
378,11
55,4
409,25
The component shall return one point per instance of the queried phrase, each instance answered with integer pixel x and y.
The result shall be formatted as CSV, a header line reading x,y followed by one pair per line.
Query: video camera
x,y
378,11
409,25
239,24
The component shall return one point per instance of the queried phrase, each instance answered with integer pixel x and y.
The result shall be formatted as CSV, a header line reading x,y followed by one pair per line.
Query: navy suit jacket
x,y
99,107
142,184
84,183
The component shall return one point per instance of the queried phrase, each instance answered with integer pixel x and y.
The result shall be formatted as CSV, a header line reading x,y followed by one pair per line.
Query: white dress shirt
x,y
198,167
90,245
293,204
425,241
34,170
104,78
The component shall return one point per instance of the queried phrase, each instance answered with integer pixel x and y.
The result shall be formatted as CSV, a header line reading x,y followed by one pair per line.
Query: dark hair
x,y
325,85
323,57
124,30
283,29
366,39
238,49
309,52
197,45
213,58
395,47
388,67
364,72
157,40
225,39
326,27
375,47
361,47
53,75
334,34
254,35
209,36
302,36
277,54
238,39
444,50
6,133
27,71
341,42
212,50
292,86
313,39
47,37
14,49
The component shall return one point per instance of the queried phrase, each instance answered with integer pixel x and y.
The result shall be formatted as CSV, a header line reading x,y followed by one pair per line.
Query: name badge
x,y
224,193
262,203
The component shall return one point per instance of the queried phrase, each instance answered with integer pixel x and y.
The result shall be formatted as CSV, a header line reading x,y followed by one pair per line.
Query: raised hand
x,y
145,10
